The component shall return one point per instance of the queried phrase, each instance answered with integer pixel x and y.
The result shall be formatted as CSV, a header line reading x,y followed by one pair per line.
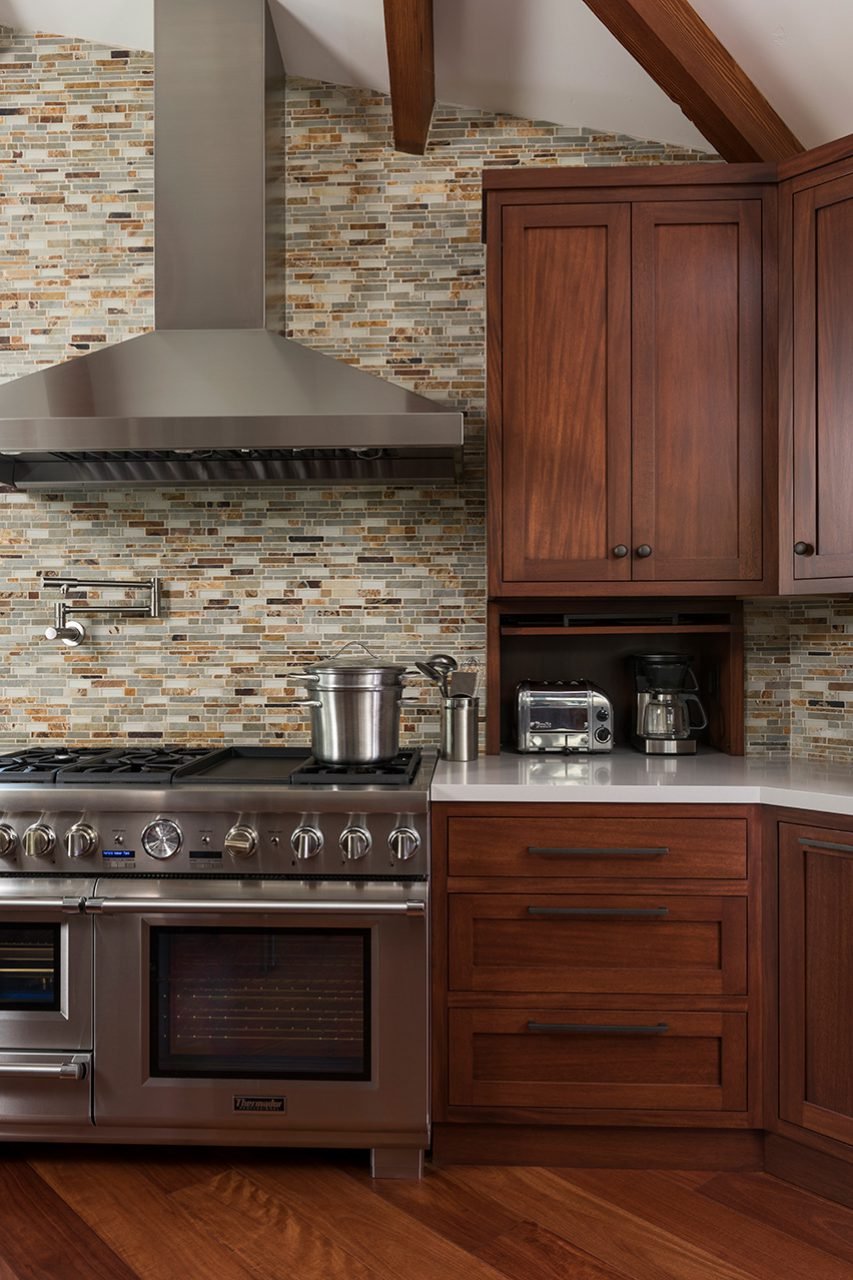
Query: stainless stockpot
x,y
355,708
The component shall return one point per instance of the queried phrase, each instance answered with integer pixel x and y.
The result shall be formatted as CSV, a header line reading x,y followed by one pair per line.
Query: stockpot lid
x,y
354,672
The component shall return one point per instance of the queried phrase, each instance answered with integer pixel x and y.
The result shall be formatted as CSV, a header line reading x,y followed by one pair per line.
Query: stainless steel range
x,y
215,947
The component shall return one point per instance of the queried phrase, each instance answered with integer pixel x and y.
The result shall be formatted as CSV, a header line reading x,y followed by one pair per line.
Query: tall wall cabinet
x,y
816,373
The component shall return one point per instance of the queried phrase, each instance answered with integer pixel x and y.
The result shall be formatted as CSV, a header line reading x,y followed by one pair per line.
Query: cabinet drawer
x,y
636,848
584,943
655,1060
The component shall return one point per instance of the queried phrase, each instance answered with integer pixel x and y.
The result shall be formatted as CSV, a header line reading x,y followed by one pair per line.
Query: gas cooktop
x,y
170,765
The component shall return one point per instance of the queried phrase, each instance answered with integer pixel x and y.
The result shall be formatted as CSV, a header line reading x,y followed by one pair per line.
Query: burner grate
x,y
144,765
399,772
43,764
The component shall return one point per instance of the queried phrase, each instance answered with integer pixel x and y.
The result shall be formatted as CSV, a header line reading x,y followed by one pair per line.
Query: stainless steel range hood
x,y
212,395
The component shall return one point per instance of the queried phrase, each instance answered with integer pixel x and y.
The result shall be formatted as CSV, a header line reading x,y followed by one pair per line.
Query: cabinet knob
x,y
620,551
644,550
803,549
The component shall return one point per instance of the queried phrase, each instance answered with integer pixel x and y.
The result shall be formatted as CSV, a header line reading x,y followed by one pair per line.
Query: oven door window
x,y
30,963
289,1004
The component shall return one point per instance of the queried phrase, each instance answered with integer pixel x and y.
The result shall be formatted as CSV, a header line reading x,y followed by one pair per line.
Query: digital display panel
x,y
206,853
119,853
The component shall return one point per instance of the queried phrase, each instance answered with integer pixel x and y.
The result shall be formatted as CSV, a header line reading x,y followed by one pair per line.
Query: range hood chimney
x,y
212,396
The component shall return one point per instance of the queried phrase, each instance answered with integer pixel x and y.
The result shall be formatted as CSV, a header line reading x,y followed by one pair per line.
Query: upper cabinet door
x,y
697,391
566,433
823,384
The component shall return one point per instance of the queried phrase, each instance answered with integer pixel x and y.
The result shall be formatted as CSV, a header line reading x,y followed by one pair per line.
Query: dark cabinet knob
x,y
803,549
620,551
644,550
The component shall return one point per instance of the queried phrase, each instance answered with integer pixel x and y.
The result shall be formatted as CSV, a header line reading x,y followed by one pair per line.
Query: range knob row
x,y
163,838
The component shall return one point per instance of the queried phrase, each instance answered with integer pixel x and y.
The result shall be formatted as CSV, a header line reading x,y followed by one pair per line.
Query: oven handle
x,y
76,1069
254,906
71,906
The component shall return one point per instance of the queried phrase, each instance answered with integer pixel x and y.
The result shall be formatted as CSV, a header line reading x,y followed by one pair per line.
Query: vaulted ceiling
x,y
545,59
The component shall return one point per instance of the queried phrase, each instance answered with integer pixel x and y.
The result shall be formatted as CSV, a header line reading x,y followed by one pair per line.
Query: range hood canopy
x,y
212,396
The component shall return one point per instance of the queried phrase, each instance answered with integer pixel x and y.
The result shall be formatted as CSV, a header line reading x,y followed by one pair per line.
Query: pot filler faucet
x,y
71,632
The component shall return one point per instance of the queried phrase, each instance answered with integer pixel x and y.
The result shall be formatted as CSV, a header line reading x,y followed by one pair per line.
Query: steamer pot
x,y
355,709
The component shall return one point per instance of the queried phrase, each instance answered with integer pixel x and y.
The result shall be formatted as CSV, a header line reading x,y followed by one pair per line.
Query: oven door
x,y
292,1009
45,965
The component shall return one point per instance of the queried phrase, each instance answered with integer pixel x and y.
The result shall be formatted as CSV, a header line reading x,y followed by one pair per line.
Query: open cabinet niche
x,y
593,640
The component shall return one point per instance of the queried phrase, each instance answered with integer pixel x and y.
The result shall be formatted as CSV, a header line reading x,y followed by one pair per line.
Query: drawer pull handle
x,y
607,913
825,844
597,853
599,1028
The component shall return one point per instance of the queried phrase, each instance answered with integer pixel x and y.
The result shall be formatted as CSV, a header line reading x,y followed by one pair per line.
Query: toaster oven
x,y
570,715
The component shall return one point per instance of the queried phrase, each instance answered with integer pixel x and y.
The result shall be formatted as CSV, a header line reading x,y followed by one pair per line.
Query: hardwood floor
x,y
247,1215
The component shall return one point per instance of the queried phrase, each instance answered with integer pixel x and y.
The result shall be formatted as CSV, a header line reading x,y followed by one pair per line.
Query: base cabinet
x,y
613,982
816,980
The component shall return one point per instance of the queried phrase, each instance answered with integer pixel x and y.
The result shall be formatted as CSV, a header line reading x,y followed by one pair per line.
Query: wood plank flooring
x,y
155,1214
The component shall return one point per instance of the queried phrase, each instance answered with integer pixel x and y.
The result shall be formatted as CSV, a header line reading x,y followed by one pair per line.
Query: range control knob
x,y
81,840
162,838
404,843
8,840
241,841
355,843
39,840
306,842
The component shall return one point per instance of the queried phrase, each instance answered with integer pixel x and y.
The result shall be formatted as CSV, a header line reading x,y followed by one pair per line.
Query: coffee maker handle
x,y
703,723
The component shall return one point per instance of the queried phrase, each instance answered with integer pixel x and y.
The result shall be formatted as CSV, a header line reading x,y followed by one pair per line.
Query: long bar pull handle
x,y
597,853
825,844
607,913
255,906
74,1070
599,1028
70,906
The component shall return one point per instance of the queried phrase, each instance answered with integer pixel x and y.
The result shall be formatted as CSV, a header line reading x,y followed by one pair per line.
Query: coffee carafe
x,y
666,692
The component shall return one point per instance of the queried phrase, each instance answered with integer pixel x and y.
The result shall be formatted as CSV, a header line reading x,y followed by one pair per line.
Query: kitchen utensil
x,y
443,663
666,685
355,711
462,682
459,728
432,673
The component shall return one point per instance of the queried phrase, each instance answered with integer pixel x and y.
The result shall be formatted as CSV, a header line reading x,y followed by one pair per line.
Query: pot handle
x,y
348,645
301,702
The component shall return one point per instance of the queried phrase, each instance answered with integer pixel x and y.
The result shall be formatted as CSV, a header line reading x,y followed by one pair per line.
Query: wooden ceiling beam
x,y
682,55
411,63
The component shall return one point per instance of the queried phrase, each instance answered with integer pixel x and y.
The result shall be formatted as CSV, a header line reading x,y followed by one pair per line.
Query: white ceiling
x,y
545,59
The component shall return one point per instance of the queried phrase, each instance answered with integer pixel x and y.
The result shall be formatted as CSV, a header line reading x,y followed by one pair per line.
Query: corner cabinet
x,y
630,333
816,980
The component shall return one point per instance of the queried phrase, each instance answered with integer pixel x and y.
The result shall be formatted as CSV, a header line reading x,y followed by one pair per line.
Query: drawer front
x,y
583,943
633,848
591,1059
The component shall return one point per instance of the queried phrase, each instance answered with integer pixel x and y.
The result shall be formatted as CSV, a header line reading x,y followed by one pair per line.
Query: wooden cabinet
x,y
627,394
816,980
817,381
596,967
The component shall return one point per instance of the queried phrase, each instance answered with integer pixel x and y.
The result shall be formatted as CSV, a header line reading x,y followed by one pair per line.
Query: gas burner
x,y
43,764
399,772
146,765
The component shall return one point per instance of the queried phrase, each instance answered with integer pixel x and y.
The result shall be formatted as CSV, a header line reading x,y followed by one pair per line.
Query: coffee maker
x,y
666,691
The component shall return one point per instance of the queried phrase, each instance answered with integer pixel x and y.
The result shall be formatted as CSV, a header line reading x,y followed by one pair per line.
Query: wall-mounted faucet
x,y
71,632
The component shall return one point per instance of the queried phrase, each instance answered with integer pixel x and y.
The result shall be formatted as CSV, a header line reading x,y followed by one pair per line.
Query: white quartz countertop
x,y
627,777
